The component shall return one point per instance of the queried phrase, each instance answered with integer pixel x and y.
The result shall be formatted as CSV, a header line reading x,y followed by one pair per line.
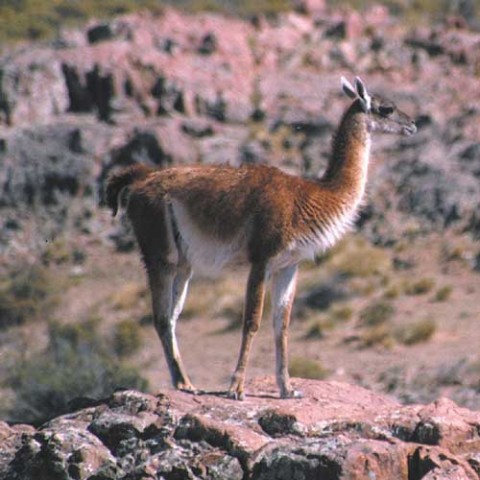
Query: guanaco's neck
x,y
347,170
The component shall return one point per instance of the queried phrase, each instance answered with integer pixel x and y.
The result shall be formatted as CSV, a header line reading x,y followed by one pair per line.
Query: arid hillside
x,y
393,308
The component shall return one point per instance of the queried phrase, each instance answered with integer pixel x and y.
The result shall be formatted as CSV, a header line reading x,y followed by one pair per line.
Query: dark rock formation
x,y
336,431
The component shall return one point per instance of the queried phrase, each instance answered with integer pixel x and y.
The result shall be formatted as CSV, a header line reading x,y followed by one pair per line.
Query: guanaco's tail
x,y
122,179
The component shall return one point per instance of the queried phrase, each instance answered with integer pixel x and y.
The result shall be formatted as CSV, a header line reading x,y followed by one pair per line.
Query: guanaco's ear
x,y
348,89
363,94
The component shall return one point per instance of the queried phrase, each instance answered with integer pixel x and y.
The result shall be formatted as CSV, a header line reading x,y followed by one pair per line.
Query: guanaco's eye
x,y
385,111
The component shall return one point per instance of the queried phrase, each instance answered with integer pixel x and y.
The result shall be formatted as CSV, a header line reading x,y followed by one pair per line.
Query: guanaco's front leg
x,y
284,284
252,317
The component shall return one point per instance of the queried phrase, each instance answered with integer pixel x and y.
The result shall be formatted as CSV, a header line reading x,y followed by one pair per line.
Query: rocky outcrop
x,y
337,431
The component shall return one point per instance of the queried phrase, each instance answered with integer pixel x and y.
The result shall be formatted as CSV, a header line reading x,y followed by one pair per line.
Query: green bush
x,y
75,364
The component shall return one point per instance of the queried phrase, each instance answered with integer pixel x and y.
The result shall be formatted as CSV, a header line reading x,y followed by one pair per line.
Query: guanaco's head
x,y
382,114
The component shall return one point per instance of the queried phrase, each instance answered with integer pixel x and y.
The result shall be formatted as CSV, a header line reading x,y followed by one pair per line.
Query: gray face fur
x,y
385,117
383,114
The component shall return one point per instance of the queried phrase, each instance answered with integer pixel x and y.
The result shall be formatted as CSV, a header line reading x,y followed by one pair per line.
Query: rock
x,y
208,44
100,33
197,127
336,431
42,165
32,87
429,192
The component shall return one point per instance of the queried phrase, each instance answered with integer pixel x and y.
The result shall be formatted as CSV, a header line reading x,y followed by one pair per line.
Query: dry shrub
x,y
128,296
376,314
355,257
419,287
76,363
416,332
29,293
307,368
127,338
318,327
378,335
328,321
443,293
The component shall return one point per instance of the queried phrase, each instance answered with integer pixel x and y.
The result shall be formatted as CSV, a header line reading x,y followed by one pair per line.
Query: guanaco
x,y
206,217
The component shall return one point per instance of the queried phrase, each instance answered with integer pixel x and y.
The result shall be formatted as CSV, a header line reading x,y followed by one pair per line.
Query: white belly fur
x,y
205,253
209,255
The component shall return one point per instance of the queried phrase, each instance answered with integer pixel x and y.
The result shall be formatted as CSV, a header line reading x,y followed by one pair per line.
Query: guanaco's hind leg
x,y
252,316
168,275
284,284
167,305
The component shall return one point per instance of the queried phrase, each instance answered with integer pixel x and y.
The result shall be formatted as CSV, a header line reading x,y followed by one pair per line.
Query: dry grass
x,y
217,298
307,368
317,327
128,296
29,293
419,287
443,293
127,338
328,321
377,335
376,323
355,257
376,314
416,332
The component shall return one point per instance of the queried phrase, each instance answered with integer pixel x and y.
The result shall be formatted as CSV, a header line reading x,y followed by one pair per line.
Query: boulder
x,y
335,431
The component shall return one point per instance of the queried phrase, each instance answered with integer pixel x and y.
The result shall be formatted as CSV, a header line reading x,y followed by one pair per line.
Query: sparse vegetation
x,y
40,19
56,253
341,313
355,257
318,327
307,368
393,291
376,314
128,296
28,293
416,332
328,321
419,287
443,293
375,320
76,363
127,338
377,335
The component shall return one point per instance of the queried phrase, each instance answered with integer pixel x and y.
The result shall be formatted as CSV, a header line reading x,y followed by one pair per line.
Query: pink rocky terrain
x,y
336,431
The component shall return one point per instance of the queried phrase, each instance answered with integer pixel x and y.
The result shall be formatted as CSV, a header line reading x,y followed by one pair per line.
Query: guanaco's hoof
x,y
187,388
235,395
292,394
